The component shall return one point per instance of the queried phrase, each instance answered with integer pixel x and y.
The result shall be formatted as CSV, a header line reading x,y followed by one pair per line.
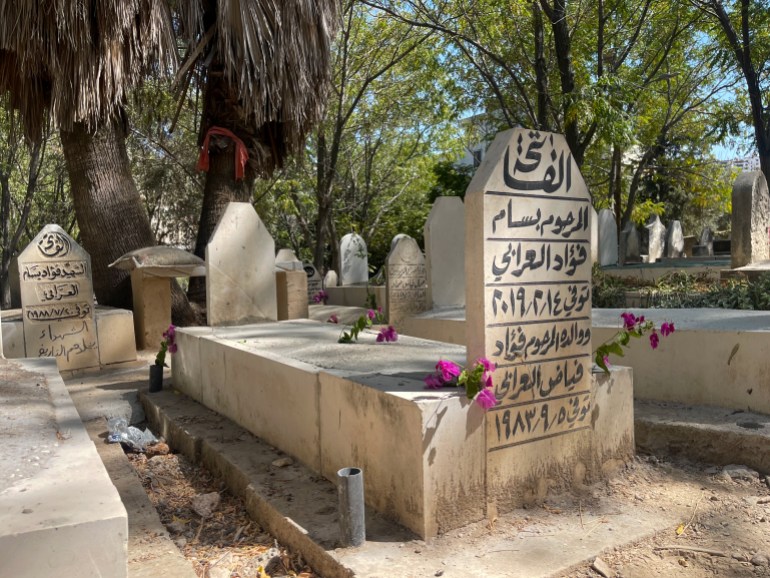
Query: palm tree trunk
x,y
109,210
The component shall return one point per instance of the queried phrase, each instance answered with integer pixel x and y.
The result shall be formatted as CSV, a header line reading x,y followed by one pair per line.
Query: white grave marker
x,y
445,252
355,260
314,281
407,285
240,269
528,309
57,300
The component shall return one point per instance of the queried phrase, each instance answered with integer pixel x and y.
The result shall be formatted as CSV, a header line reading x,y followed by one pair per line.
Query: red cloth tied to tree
x,y
241,154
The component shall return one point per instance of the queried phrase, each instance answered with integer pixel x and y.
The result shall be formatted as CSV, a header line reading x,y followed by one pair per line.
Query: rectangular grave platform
x,y
423,452
61,515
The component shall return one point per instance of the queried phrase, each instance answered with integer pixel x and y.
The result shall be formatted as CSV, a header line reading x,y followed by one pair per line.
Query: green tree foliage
x,y
368,165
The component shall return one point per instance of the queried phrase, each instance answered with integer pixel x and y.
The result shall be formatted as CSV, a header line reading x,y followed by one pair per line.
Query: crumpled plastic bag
x,y
134,438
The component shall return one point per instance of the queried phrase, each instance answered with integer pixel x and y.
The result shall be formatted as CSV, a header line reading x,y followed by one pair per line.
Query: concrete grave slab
x,y
59,508
445,252
240,262
57,297
292,294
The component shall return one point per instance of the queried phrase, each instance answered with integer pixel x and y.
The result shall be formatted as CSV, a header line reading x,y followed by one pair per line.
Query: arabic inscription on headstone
x,y
57,300
529,308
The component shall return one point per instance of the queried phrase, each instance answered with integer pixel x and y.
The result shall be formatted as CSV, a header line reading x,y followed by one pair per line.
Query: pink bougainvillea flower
x,y
666,329
629,320
654,339
170,333
486,399
172,347
606,359
488,380
387,334
433,381
333,318
371,314
488,365
448,369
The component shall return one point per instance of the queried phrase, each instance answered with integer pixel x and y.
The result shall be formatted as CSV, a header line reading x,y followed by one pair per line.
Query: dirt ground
x,y
726,533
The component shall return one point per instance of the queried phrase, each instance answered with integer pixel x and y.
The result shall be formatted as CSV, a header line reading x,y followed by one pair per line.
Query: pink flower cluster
x,y
169,335
387,334
321,297
478,379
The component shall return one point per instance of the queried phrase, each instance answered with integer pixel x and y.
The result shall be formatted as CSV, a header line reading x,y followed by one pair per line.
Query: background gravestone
x,y
354,268
630,245
314,281
330,279
608,238
657,239
240,269
57,300
444,235
528,309
286,260
407,282
674,240
705,246
750,219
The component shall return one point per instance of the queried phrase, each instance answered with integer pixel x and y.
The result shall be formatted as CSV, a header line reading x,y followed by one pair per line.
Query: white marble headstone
x,y
407,284
330,279
354,268
750,222
674,240
528,308
657,239
630,244
608,238
240,269
445,252
57,300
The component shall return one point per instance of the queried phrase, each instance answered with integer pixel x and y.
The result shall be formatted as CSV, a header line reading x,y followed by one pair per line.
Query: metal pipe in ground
x,y
350,491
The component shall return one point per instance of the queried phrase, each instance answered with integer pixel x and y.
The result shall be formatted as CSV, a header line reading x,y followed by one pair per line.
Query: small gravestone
x,y
407,282
657,239
240,269
354,269
57,300
705,246
608,238
630,244
445,252
674,240
750,223
330,279
314,281
528,307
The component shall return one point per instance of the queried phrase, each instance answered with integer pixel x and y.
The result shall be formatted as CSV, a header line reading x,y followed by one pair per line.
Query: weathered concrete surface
x,y
713,435
64,517
114,328
365,405
151,552
300,509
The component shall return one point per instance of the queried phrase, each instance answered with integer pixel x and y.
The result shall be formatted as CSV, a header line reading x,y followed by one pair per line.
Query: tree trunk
x,y
220,109
109,211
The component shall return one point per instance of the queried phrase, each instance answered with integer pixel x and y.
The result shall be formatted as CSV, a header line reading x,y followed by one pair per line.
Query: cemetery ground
x,y
659,515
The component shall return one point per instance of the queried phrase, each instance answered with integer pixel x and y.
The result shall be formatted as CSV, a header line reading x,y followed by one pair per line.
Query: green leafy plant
x,y
364,322
635,327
